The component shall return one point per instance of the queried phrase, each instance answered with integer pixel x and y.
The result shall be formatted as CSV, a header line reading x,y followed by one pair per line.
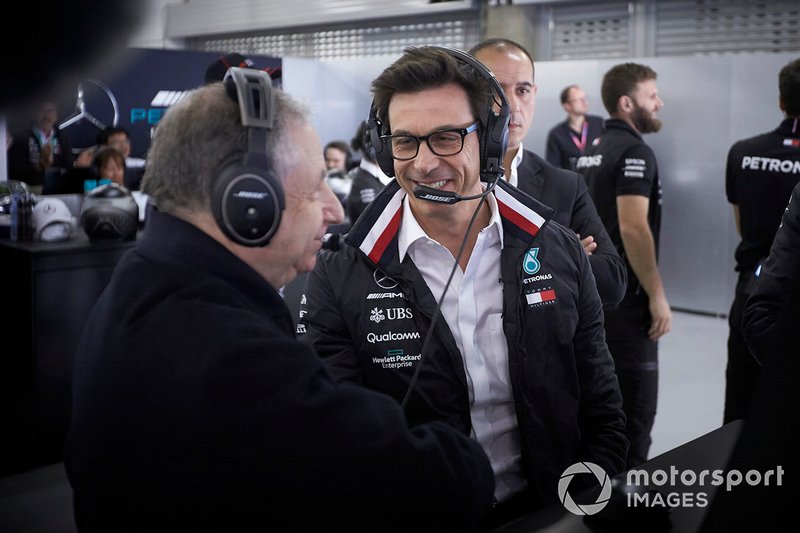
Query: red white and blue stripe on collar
x,y
518,219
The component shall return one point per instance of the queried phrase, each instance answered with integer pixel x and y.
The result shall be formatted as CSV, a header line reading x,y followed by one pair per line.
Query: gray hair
x,y
200,134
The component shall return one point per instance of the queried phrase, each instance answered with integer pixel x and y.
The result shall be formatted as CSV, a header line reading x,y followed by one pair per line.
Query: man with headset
x,y
563,190
513,353
195,408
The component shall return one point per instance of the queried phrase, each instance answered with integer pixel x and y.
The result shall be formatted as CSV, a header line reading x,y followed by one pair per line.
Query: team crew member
x,y
759,177
621,173
368,178
195,408
516,358
562,190
568,140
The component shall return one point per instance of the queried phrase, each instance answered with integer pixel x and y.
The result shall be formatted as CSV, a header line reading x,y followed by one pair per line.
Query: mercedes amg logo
x,y
383,281
104,110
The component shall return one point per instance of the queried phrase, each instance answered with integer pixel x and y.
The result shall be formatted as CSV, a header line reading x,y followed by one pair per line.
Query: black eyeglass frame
x,y
463,132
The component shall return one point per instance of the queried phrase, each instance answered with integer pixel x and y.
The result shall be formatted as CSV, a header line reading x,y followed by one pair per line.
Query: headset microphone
x,y
449,198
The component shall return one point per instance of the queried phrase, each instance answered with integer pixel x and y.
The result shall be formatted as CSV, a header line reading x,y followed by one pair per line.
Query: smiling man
x,y
195,408
512,353
622,176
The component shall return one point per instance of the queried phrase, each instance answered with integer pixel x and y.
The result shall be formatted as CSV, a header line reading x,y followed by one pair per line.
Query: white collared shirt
x,y
512,175
473,308
375,170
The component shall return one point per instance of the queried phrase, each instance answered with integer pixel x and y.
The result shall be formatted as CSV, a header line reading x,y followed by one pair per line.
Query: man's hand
x,y
588,244
662,317
46,157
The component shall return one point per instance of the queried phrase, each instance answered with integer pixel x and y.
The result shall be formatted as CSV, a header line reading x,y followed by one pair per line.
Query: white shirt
x,y
512,176
375,170
473,308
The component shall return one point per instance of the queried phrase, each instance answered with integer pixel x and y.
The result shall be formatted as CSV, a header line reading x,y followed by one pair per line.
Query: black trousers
x,y
743,371
636,361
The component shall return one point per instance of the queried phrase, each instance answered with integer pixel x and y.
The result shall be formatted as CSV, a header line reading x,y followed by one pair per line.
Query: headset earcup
x,y
247,204
495,141
382,154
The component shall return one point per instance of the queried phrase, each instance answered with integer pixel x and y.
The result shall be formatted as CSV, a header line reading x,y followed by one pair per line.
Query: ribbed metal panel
x,y
387,38
590,30
686,27
197,18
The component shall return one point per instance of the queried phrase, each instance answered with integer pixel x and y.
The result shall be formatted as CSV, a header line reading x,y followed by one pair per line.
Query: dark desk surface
x,y
709,452
78,242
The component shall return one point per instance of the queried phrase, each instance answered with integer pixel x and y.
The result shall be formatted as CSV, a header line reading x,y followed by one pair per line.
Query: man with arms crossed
x,y
562,190
515,357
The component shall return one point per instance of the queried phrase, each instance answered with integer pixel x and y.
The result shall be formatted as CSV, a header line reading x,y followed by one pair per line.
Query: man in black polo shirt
x,y
622,176
563,190
759,178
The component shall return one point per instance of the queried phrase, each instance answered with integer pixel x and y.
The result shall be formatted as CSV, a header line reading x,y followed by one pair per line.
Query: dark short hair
x,y
422,68
102,137
107,153
338,145
789,86
621,81
564,96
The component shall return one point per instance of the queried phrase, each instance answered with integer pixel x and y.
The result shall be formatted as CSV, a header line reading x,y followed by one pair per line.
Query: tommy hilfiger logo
x,y
541,297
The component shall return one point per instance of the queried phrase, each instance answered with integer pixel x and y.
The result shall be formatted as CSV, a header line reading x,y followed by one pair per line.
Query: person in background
x,y
109,166
194,406
562,190
622,176
760,173
512,353
368,179
42,149
338,156
568,140
118,138
337,160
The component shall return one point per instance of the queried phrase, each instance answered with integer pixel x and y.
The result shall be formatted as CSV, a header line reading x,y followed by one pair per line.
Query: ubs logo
x,y
383,281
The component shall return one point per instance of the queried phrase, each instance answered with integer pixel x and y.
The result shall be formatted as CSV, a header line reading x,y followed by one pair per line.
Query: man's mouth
x,y
434,184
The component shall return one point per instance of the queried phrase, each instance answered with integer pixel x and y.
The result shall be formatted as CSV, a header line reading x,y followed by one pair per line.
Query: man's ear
x,y
625,104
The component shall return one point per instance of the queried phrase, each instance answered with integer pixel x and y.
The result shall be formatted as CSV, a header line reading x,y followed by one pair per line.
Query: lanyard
x,y
581,144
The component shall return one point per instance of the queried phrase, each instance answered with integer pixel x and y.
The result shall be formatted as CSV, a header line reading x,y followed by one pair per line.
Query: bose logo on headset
x,y
493,136
247,199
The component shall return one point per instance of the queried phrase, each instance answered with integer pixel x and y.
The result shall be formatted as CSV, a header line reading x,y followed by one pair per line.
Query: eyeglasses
x,y
441,143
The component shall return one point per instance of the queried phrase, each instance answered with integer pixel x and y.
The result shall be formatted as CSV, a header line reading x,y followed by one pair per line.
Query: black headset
x,y
493,127
246,197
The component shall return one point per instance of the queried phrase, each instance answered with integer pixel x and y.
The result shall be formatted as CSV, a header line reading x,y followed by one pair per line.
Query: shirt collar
x,y
411,231
512,173
375,170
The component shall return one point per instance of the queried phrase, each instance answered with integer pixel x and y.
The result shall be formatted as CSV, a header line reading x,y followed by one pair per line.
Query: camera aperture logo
x,y
584,468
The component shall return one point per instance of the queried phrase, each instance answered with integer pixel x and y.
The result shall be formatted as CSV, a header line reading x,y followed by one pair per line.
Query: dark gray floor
x,y
691,396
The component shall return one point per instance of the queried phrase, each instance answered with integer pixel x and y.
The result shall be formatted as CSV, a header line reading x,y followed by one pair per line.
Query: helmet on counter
x,y
109,212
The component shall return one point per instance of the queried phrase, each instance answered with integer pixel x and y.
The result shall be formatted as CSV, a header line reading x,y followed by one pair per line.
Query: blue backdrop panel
x,y
148,82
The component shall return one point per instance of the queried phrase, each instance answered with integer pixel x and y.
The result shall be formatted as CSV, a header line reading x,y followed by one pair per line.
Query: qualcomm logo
x,y
584,509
